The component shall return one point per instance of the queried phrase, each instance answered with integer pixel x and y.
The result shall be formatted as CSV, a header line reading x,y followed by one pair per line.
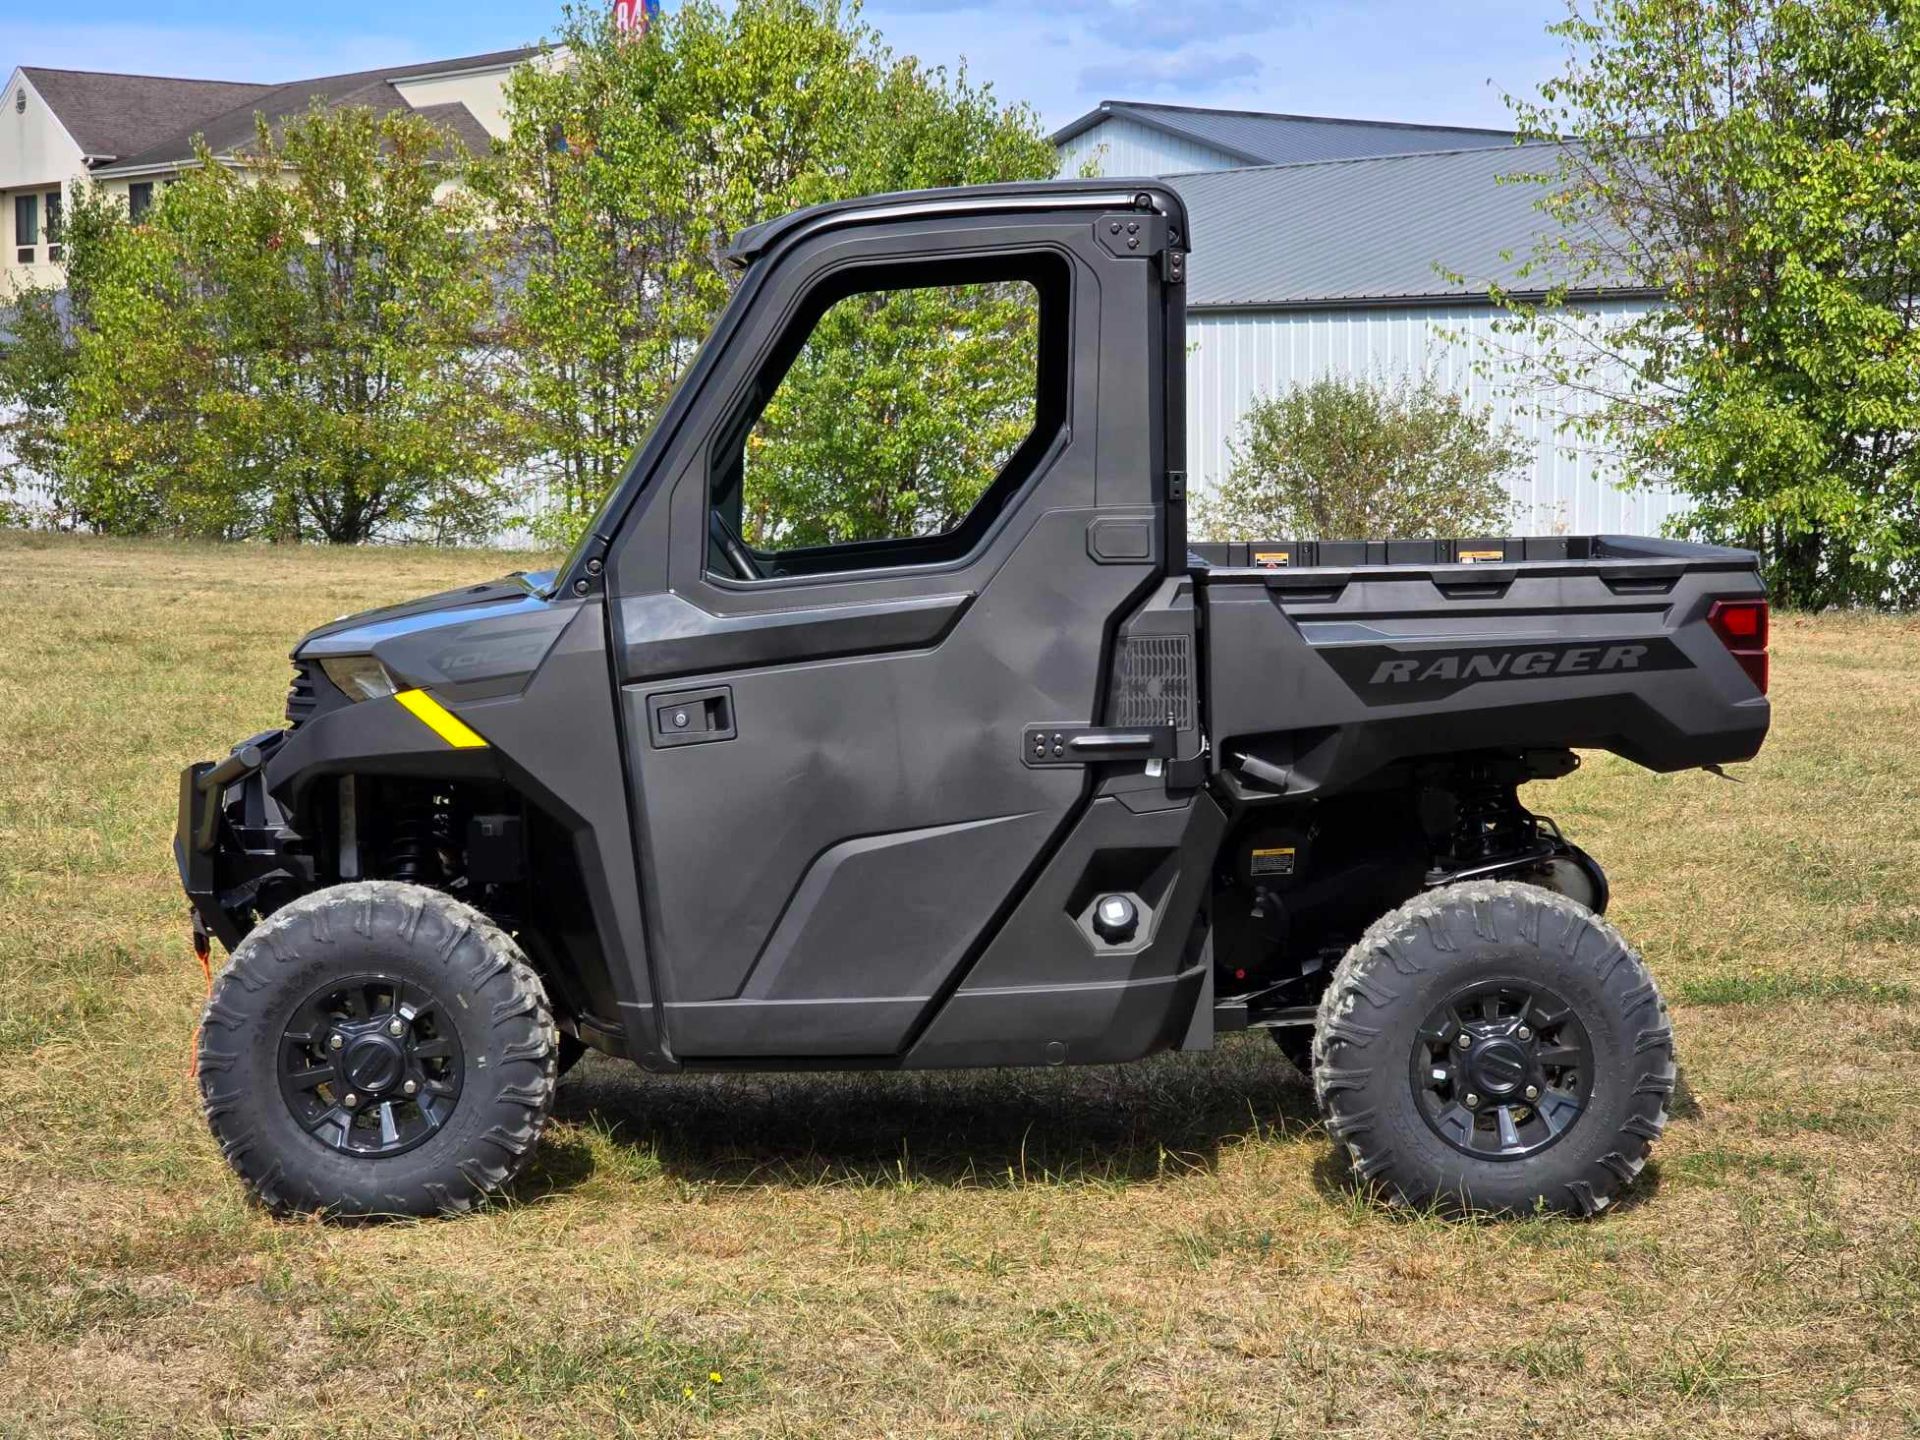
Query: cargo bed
x,y
1329,660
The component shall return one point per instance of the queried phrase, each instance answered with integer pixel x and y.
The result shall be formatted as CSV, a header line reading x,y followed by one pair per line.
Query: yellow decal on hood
x,y
442,721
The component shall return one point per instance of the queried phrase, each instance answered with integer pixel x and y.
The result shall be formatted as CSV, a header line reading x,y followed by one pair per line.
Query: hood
x,y
517,586
489,635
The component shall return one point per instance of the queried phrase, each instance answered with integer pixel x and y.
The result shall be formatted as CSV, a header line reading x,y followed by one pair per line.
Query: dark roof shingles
x,y
110,116
235,128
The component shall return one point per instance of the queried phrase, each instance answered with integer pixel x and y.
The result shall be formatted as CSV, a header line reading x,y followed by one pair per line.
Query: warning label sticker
x,y
1276,861
1270,559
1482,557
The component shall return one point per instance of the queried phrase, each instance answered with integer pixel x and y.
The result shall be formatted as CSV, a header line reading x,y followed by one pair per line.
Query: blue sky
x,y
1374,59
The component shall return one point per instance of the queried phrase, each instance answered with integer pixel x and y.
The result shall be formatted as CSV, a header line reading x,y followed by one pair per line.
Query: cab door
x,y
919,485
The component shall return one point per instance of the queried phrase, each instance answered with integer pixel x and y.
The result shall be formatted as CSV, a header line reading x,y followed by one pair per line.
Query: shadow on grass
x,y
1099,1124
1111,1125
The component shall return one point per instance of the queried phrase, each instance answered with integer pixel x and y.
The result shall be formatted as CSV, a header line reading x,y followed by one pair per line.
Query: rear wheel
x,y
377,1048
1497,1046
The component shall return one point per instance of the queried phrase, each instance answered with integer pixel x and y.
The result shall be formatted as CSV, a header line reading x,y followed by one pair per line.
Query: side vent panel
x,y
1153,681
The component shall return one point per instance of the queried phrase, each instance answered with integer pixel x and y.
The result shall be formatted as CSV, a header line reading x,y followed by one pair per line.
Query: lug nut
x,y
335,1043
1533,1092
396,1026
1470,1100
350,1100
1466,1041
410,1087
1524,1033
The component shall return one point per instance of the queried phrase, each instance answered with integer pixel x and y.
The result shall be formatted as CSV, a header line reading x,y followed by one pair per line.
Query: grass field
x,y
1168,1248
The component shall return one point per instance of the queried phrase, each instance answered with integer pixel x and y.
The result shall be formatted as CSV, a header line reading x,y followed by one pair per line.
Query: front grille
x,y
303,696
1155,681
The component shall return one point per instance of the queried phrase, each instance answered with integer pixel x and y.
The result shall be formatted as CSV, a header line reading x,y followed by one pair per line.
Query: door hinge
x,y
1176,486
1133,235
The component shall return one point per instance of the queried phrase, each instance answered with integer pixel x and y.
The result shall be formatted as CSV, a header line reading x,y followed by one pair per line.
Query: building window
x,y
139,199
20,101
26,228
53,226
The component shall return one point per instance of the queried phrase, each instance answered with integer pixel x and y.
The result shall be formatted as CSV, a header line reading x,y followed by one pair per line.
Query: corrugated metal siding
x,y
1235,356
1135,149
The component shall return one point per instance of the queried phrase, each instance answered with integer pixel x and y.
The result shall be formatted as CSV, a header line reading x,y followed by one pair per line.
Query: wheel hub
x,y
1498,1067
373,1064
370,1065
1501,1069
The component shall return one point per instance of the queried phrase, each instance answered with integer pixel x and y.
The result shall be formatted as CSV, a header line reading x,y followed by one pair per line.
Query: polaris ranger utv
x,y
1032,781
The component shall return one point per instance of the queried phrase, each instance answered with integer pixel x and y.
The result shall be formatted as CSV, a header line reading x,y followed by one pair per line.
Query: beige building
x,y
133,133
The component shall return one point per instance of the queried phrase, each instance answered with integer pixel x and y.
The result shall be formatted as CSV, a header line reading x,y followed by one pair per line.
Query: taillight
x,y
1742,628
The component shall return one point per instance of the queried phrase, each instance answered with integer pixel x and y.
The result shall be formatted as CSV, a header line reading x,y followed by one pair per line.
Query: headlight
x,y
359,677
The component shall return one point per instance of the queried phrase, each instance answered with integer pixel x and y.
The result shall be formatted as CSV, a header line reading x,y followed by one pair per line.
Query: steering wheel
x,y
739,559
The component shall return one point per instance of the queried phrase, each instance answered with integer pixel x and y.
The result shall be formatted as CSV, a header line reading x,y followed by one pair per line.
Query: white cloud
x,y
1187,74
1368,59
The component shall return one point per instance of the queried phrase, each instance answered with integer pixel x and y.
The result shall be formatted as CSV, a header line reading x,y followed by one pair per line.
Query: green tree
x,y
39,353
633,163
1355,459
897,413
1758,161
36,368
297,345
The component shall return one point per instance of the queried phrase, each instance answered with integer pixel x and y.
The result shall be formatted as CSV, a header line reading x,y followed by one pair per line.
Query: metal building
x,y
1328,247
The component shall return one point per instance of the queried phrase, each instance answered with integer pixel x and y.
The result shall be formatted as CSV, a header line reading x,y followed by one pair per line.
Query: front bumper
x,y
230,839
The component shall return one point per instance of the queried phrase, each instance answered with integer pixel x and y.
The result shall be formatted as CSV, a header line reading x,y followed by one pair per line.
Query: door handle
x,y
691,717
1090,744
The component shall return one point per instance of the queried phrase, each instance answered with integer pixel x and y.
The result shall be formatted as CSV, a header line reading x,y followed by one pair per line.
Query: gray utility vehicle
x,y
1033,783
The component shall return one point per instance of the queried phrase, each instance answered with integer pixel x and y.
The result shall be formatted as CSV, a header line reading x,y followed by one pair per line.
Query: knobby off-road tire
x,y
1451,962
346,997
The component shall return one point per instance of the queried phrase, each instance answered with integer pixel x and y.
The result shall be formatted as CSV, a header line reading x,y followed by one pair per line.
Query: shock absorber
x,y
412,851
1491,822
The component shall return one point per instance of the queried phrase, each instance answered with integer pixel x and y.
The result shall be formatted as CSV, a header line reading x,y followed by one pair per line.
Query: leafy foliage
x,y
633,164
1350,459
39,355
1758,161
293,345
896,414
36,368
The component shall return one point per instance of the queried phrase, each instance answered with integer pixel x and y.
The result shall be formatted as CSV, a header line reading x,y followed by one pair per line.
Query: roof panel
x,y
114,115
1260,137
1380,229
236,126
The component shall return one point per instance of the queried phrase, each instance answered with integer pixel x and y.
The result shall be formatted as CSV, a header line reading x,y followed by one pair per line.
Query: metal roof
x,y
1259,137
1380,230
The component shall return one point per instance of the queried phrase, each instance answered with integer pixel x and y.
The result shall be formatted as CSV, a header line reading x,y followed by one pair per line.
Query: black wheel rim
x,y
371,1065
1502,1069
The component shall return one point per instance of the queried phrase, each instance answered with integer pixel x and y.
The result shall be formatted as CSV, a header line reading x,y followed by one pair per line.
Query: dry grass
x,y
1166,1248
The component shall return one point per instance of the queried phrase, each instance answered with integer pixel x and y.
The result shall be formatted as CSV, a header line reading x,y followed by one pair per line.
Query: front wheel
x,y
377,1049
1496,1046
